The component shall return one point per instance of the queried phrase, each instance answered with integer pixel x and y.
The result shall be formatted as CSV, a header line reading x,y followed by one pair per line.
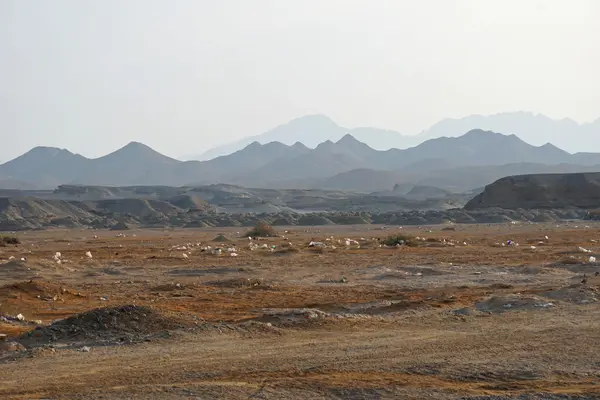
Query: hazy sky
x,y
185,75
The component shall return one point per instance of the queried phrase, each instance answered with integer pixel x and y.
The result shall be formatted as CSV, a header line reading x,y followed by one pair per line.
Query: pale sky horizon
x,y
184,76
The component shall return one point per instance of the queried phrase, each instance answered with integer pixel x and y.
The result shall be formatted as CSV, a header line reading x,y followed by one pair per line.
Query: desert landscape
x,y
425,279
278,200
432,281
453,311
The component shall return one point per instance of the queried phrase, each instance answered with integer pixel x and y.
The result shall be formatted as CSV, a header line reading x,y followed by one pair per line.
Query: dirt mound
x,y
578,294
31,289
221,239
111,325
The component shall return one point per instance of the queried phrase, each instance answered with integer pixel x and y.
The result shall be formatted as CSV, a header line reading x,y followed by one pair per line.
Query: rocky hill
x,y
71,206
543,191
30,213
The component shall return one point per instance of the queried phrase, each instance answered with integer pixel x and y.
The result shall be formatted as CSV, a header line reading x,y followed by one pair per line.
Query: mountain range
x,y
535,129
458,164
311,130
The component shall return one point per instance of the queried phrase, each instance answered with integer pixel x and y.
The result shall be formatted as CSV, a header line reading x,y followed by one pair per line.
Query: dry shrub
x,y
399,239
10,240
262,230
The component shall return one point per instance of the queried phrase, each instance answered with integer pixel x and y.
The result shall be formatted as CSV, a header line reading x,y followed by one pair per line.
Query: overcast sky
x,y
185,75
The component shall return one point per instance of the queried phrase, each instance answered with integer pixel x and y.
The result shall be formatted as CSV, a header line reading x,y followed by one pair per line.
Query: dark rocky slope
x,y
543,191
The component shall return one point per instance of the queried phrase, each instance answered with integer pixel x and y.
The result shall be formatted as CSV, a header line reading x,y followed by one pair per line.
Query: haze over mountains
x,y
459,164
535,129
311,130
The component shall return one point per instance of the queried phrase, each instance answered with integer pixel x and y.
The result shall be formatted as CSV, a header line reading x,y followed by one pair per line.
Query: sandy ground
x,y
459,315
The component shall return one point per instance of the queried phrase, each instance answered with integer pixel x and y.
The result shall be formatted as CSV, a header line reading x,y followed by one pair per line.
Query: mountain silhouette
x,y
536,129
453,163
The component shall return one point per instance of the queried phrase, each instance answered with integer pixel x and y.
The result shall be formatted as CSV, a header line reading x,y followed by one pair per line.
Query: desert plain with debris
x,y
499,311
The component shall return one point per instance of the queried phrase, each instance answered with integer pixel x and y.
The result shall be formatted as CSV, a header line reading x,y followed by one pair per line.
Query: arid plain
x,y
497,311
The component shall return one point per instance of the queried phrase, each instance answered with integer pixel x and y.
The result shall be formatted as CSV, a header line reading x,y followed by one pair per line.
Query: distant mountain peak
x,y
44,148
299,145
135,146
532,128
351,143
309,122
312,118
551,147
348,138
47,150
479,132
46,153
136,151
253,145
325,144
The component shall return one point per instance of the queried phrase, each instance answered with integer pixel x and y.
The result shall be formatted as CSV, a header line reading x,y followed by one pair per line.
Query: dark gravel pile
x,y
111,325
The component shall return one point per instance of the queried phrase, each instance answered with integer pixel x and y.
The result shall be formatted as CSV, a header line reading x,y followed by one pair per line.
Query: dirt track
x,y
456,316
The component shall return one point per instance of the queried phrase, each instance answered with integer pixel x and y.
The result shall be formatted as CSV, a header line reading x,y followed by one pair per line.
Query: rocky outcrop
x,y
543,191
39,214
